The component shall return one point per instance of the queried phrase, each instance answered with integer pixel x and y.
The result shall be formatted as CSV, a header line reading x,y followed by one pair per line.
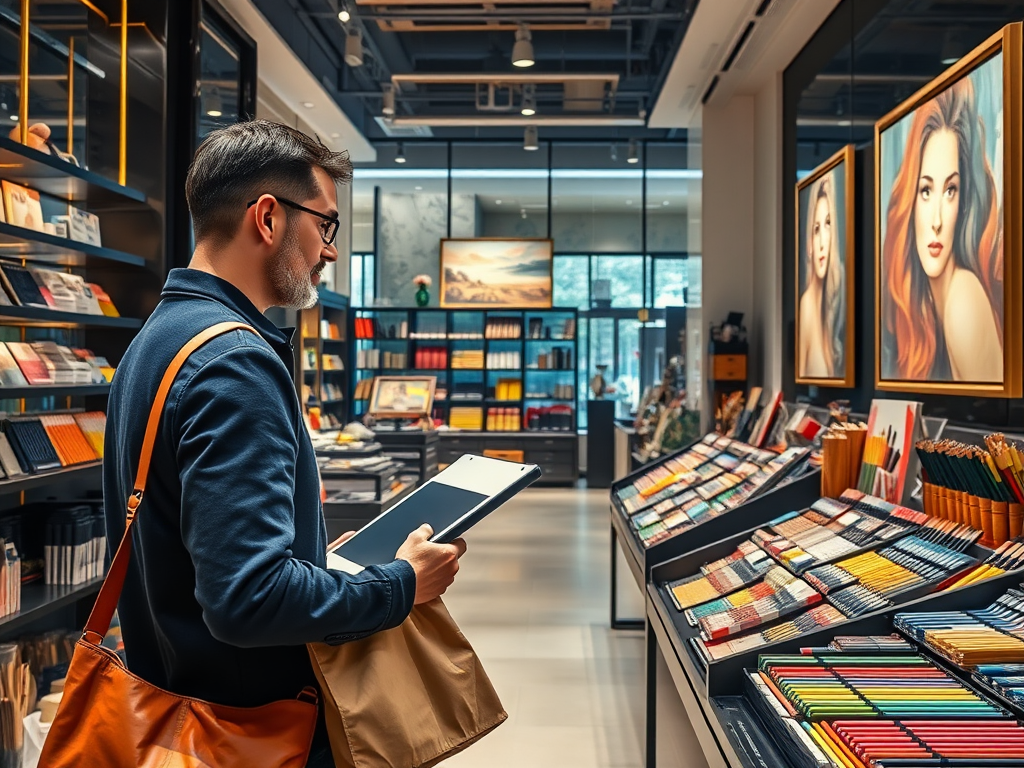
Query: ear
x,y
269,218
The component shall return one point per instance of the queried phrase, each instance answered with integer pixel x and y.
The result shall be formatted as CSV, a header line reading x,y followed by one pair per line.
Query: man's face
x,y
294,271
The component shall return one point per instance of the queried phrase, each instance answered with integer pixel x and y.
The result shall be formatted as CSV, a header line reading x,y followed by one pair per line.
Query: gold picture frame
x,y
916,349
390,397
480,264
832,364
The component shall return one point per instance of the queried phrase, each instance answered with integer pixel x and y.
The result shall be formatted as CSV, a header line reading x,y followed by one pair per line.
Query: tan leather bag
x,y
408,697
109,718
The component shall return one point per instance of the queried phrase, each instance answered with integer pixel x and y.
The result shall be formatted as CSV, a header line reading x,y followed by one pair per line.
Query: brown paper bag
x,y
408,697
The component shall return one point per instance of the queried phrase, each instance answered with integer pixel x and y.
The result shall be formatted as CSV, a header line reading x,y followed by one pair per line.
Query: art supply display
x,y
1007,557
712,476
778,594
821,615
893,429
849,686
933,742
746,565
966,483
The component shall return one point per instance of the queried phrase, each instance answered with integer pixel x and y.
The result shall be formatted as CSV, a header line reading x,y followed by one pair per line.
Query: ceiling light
x,y
388,110
522,212
400,155
335,135
629,202
354,48
529,101
664,202
308,104
344,16
614,153
14,118
418,188
633,158
530,139
522,51
497,202
213,105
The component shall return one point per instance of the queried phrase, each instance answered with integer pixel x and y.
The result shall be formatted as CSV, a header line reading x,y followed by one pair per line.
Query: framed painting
x,y
948,230
492,273
401,397
825,273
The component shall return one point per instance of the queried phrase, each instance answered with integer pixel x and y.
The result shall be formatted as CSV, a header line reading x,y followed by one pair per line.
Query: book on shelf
x,y
93,424
23,206
36,371
10,373
67,438
31,444
60,369
54,290
20,286
103,299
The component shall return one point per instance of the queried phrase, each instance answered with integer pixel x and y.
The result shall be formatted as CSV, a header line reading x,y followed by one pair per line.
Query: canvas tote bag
x,y
109,718
408,697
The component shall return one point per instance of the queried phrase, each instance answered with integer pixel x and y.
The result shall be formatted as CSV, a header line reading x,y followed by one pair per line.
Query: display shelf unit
x,y
469,351
800,488
129,267
320,386
417,451
694,721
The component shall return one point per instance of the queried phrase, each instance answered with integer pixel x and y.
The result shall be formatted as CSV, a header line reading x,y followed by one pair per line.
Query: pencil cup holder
x,y
1000,522
943,505
928,497
985,505
974,504
1016,519
963,514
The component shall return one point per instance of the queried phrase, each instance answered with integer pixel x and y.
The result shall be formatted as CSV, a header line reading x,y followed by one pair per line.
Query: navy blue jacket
x,y
227,578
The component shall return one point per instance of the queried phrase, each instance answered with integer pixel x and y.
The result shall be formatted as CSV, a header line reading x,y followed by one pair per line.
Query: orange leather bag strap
x,y
106,602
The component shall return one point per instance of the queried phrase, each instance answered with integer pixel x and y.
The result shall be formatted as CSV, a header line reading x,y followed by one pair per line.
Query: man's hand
x,y
341,540
435,564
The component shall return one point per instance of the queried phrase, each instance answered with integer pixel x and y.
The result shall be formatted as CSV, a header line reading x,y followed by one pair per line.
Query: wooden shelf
x,y
88,471
38,599
53,176
59,390
51,318
21,243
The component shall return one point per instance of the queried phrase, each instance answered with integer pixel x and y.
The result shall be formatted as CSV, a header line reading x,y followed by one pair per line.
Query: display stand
x,y
417,451
795,494
728,731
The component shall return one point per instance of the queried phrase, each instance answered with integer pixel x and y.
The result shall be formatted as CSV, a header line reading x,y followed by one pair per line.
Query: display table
x,y
556,453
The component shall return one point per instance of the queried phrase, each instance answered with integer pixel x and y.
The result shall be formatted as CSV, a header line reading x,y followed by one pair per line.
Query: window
x,y
669,282
362,279
571,278
625,276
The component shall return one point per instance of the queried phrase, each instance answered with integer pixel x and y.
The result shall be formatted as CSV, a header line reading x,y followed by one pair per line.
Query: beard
x,y
292,283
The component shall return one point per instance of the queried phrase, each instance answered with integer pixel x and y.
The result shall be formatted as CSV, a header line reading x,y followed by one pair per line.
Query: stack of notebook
x,y
45,363
75,545
30,444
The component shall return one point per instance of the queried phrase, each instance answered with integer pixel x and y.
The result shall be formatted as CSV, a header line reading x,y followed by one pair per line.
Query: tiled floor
x,y
532,597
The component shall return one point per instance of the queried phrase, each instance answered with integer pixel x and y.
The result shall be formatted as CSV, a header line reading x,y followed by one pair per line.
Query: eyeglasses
x,y
328,228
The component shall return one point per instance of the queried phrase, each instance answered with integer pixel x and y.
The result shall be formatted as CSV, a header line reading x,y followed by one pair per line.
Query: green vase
x,y
422,296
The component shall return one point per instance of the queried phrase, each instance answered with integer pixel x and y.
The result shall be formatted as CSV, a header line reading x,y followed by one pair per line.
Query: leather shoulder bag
x,y
110,718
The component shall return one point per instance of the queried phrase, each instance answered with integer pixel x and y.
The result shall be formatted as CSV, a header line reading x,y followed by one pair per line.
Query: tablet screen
x,y
436,503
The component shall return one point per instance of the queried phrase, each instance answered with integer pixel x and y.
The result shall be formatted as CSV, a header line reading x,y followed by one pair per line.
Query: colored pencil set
x,y
778,594
821,615
1006,680
847,686
745,566
1007,557
905,744
994,635
982,488
697,484
878,471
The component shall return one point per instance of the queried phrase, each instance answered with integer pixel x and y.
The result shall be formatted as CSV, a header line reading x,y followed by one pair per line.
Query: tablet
x,y
451,502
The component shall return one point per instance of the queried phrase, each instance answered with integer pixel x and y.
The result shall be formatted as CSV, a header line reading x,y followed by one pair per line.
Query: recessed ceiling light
x,y
418,188
335,135
629,202
497,202
308,104
844,123
664,202
14,118
344,16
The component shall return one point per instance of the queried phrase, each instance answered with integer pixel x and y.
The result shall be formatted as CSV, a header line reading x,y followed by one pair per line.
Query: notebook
x,y
31,444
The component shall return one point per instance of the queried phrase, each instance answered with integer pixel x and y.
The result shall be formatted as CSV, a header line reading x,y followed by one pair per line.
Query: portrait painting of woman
x,y
942,257
824,332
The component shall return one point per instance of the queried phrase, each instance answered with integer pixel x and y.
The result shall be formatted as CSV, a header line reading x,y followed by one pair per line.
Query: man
x,y
228,578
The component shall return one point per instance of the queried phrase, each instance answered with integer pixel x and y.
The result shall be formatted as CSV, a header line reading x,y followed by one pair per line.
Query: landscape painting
x,y
489,273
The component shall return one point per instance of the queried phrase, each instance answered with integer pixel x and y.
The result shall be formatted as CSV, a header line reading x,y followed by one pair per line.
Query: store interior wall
x,y
854,43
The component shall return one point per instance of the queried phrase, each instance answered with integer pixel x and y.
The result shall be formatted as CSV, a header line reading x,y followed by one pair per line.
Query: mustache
x,y
319,268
